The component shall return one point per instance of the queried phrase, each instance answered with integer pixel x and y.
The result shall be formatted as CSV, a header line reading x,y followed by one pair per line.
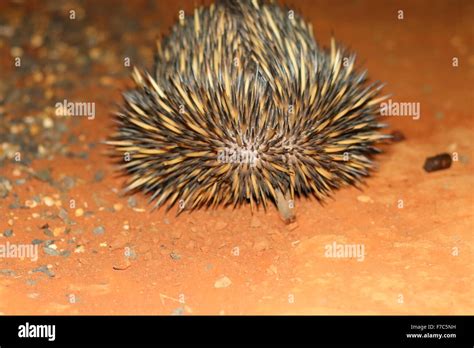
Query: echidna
x,y
244,106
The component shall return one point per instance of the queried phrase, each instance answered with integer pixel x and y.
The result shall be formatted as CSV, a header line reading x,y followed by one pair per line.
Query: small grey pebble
x,y
63,214
69,222
99,175
37,241
16,204
44,175
67,183
132,254
48,232
7,272
3,191
83,155
8,232
72,139
99,230
175,256
49,242
43,269
31,282
50,251
132,202
5,187
62,127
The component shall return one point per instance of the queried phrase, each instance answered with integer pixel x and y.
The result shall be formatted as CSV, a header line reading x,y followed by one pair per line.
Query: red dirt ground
x,y
418,259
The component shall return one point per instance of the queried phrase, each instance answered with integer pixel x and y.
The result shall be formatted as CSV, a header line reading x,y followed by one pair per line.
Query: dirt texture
x,y
101,252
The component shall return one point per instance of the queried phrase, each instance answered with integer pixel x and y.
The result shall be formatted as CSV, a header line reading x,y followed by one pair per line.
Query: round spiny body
x,y
244,106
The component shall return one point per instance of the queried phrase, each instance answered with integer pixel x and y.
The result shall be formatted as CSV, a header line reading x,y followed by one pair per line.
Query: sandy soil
x,y
108,254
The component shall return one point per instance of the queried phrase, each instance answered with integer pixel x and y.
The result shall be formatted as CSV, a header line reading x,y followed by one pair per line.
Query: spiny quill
x,y
244,106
